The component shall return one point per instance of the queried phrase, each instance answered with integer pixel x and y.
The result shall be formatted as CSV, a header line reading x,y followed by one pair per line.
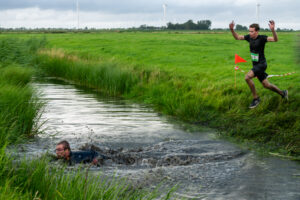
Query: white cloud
x,y
120,13
35,17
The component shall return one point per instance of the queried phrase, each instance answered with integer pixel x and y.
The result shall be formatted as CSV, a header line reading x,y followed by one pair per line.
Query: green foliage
x,y
18,106
241,28
106,77
13,50
15,75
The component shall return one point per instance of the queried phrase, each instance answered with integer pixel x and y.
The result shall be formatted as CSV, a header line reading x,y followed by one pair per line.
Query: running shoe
x,y
254,103
285,94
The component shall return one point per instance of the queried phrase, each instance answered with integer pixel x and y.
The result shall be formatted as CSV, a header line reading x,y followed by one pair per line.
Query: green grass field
x,y
190,76
186,75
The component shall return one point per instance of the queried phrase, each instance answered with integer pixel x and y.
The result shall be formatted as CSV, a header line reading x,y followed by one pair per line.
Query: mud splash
x,y
173,153
203,169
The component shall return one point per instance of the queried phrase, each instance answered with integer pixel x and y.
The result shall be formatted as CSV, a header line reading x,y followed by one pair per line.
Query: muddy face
x,y
62,152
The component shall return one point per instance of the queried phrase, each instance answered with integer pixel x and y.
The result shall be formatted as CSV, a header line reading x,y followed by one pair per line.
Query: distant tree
x,y
204,24
143,26
190,25
170,26
241,28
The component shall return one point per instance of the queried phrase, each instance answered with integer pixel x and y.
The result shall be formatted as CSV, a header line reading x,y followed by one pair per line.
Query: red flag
x,y
239,59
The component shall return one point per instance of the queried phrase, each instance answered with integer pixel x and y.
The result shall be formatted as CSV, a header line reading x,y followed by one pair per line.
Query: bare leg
x,y
272,87
248,79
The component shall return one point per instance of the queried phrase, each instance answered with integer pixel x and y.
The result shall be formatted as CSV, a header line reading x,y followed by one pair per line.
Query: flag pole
x,y
237,59
235,77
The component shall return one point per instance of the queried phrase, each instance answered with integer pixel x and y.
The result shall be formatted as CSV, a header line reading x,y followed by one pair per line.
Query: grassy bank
x,y
19,109
189,76
19,113
19,105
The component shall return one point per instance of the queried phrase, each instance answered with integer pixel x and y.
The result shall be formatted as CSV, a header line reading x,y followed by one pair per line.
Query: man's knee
x,y
247,78
266,85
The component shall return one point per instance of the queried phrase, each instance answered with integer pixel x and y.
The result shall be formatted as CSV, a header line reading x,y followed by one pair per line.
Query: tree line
x,y
190,25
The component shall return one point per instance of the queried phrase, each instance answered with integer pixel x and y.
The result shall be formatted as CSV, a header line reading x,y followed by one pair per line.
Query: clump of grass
x,y
13,50
18,104
107,77
7,191
14,74
19,109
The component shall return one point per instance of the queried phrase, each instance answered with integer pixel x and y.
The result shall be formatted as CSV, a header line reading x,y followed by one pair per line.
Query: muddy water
x,y
148,148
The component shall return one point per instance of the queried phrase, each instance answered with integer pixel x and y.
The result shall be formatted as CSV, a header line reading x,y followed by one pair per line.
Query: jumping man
x,y
257,45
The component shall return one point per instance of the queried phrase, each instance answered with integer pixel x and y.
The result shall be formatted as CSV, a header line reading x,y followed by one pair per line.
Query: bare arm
x,y
272,28
234,34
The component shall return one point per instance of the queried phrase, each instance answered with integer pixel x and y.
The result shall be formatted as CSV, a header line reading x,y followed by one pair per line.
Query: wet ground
x,y
148,148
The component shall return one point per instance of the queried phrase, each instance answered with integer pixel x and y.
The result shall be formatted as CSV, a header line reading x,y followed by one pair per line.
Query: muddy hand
x,y
272,25
231,25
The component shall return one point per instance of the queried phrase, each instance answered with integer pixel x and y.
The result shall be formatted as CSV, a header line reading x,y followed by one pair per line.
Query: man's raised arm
x,y
272,28
234,34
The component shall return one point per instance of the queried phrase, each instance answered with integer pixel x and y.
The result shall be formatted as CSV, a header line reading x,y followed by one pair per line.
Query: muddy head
x,y
63,150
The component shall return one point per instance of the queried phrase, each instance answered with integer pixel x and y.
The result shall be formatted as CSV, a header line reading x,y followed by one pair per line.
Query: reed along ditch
x,y
147,148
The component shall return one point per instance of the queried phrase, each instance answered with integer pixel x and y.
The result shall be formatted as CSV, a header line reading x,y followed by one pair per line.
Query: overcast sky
x,y
129,13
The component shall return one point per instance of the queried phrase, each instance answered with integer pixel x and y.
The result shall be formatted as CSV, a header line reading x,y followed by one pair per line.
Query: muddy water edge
x,y
147,148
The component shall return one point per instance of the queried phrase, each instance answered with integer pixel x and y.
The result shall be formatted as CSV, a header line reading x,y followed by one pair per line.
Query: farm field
x,y
186,75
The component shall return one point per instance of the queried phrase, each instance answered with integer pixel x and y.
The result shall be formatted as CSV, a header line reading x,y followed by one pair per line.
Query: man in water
x,y
63,151
257,45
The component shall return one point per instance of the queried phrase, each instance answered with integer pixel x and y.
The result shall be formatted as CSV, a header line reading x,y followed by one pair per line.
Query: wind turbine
x,y
77,6
165,9
257,12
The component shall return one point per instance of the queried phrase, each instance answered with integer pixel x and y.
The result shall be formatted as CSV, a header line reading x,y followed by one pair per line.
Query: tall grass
x,y
108,77
19,51
19,106
36,179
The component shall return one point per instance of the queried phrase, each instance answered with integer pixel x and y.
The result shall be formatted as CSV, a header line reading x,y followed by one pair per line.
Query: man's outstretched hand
x,y
231,25
272,25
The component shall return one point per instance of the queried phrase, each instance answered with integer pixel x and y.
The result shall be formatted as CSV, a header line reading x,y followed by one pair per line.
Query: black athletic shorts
x,y
259,71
